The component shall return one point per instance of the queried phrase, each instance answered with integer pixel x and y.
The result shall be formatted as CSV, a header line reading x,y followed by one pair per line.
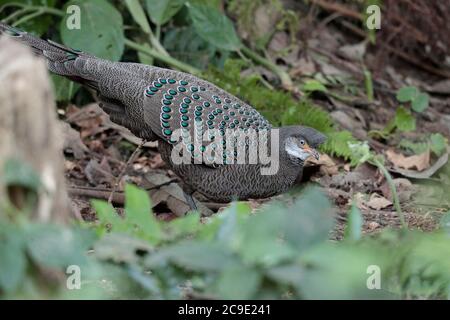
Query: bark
x,y
30,135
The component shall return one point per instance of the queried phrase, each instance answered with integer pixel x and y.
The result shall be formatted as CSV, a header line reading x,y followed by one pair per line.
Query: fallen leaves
x,y
375,201
327,165
378,202
420,161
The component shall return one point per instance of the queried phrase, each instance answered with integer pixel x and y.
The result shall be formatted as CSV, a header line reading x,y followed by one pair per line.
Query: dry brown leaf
x,y
378,202
420,161
327,165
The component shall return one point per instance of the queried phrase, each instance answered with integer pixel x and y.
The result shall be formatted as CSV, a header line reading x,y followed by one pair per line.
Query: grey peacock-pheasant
x,y
156,103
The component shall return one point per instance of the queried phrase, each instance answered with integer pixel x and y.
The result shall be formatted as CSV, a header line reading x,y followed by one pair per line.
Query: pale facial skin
x,y
299,148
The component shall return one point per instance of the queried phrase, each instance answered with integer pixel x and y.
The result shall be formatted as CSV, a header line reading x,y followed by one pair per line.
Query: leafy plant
x,y
435,142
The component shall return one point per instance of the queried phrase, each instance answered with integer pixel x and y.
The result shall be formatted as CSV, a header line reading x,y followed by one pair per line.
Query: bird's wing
x,y
178,104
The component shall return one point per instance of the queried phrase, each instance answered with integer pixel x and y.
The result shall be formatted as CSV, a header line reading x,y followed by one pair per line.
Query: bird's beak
x,y
313,152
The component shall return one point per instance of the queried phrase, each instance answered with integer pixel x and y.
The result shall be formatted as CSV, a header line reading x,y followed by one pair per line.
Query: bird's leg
x,y
188,192
190,201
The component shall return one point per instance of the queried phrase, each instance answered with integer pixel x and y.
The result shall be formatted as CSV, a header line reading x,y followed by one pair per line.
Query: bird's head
x,y
300,143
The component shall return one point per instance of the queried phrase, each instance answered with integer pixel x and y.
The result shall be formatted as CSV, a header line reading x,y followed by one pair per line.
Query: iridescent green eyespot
x,y
167,102
172,92
184,118
167,132
168,97
171,81
166,116
184,124
157,84
166,109
183,83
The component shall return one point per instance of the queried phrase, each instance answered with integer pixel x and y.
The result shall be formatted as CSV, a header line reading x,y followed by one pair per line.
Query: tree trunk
x,y
30,138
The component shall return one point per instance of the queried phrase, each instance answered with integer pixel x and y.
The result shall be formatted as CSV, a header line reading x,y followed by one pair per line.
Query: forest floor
x,y
98,151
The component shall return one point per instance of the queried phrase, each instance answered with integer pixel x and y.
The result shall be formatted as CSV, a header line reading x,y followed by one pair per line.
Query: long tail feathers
x,y
52,51
61,60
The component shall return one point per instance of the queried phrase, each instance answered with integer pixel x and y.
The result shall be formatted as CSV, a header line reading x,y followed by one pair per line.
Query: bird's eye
x,y
302,142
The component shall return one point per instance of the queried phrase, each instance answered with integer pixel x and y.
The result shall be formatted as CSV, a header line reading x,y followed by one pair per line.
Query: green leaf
x,y
438,143
195,256
184,44
120,248
340,272
55,247
64,88
161,11
309,220
101,32
137,12
215,27
361,152
404,120
139,211
420,103
183,226
353,230
230,218
291,274
445,222
238,282
314,85
144,58
106,213
12,258
406,94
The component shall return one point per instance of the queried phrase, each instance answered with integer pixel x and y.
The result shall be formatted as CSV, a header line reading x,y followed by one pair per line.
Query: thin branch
x,y
122,173
164,58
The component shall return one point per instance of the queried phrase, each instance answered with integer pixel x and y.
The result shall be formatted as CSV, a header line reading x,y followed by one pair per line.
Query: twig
x,y
286,80
122,173
393,189
336,7
164,58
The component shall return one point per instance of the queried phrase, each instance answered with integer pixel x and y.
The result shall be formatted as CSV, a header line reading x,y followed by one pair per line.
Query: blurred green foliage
x,y
282,251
